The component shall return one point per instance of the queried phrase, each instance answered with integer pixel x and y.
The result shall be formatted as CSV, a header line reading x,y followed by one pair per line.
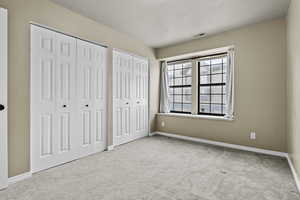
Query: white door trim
x,y
3,99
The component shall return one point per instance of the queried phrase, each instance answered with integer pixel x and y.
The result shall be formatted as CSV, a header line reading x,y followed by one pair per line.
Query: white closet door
x,y
3,98
65,73
100,105
52,97
91,62
43,59
130,97
122,97
140,88
68,98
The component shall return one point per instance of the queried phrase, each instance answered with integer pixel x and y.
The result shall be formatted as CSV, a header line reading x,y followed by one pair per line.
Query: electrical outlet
x,y
253,136
162,124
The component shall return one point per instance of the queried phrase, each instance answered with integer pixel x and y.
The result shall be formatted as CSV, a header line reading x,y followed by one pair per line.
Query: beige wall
x,y
260,86
293,82
21,12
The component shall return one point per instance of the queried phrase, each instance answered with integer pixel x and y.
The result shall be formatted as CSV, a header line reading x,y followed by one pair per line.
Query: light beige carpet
x,y
159,168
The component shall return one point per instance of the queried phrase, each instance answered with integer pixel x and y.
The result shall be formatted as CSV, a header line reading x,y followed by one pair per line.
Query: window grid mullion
x,y
210,86
222,87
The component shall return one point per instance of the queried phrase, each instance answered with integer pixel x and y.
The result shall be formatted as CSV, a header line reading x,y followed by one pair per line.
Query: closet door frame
x,y
113,88
3,99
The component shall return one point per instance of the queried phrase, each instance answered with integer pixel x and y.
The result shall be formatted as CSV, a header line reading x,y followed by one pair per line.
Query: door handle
x,y
137,102
87,105
127,103
2,107
64,106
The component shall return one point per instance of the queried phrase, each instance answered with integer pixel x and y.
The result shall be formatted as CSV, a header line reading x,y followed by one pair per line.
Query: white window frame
x,y
195,103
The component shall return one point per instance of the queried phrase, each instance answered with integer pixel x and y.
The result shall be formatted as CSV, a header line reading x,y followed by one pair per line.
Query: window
x,y
212,85
180,87
201,85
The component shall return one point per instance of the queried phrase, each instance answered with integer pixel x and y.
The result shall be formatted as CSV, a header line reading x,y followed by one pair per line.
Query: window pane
x,y
224,89
224,109
216,78
204,62
178,66
212,74
178,73
177,107
204,89
204,98
224,78
187,65
204,79
216,69
224,99
216,89
171,106
171,81
178,81
177,90
187,98
216,99
216,61
204,70
204,108
216,109
170,67
170,73
187,107
187,72
177,98
187,81
187,90
224,67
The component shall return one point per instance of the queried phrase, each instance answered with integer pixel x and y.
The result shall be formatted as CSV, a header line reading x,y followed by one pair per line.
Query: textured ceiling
x,y
163,22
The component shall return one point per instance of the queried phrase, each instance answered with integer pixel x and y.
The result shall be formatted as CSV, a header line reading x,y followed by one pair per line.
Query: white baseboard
x,y
295,175
110,148
223,144
18,178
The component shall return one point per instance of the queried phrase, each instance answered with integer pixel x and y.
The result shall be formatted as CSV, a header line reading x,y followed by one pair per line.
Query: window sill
x,y
195,116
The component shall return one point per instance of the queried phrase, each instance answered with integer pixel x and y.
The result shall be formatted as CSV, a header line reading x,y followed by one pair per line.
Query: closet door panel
x,y
100,103
140,97
44,140
91,62
122,97
65,93
85,95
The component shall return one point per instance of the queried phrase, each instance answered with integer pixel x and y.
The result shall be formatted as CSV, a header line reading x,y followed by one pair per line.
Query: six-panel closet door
x,y
130,97
123,78
68,98
91,72
140,88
